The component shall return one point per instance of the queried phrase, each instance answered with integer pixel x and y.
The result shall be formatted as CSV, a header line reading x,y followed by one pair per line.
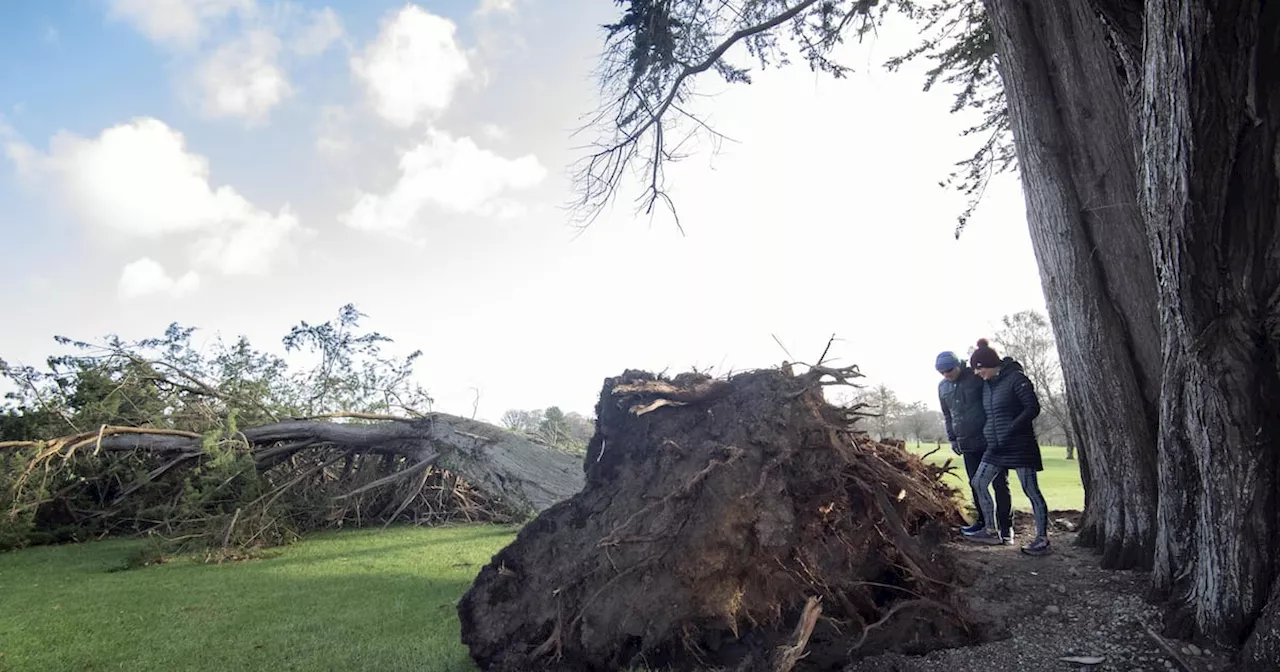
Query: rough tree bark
x,y
1208,123
1211,188
1072,130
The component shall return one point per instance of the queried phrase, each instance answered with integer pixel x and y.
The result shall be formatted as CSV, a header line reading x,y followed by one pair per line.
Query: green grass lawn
x,y
357,600
1060,480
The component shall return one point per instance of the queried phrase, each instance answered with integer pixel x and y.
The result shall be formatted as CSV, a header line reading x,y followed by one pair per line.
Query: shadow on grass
x,y
456,536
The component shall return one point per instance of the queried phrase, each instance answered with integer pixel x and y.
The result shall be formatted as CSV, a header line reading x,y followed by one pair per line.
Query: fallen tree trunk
x,y
520,476
528,476
737,524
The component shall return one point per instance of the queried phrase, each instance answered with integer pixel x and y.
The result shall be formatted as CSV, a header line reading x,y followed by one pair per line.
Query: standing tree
x,y
1146,135
1027,337
554,428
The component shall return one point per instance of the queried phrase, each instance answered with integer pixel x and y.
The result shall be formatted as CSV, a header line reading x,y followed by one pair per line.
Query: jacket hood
x,y
1011,364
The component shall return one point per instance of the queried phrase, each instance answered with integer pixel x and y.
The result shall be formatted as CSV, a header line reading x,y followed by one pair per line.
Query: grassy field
x,y
359,600
1060,480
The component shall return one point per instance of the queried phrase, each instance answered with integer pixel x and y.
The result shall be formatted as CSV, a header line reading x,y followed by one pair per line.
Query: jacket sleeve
x,y
946,416
1026,395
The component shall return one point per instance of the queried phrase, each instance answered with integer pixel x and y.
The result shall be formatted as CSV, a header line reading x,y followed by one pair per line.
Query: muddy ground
x,y
1053,607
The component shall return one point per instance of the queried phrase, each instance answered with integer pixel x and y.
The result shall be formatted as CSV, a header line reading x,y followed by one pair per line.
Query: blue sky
x,y
430,195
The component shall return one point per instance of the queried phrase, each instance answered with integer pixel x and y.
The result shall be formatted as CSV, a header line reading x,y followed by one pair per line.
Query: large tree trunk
x,y
1212,196
1072,129
1211,201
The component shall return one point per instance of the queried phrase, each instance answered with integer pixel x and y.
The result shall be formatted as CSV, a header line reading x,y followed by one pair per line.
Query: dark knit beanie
x,y
984,356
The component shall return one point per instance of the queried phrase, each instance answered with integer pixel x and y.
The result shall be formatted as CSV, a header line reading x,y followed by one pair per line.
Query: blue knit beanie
x,y
946,361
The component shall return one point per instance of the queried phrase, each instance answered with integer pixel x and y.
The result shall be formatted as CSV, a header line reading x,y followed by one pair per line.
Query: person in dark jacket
x,y
1010,403
960,395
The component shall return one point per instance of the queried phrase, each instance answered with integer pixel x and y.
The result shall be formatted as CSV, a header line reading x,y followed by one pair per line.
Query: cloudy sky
x,y
240,165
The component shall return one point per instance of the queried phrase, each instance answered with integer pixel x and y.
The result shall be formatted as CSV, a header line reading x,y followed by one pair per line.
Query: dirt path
x,y
1053,607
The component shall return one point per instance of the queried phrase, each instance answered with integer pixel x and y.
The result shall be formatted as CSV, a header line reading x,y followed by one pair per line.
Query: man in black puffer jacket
x,y
1010,403
960,395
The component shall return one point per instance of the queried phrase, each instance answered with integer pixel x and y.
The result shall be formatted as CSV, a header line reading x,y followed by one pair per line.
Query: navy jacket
x,y
1010,403
962,411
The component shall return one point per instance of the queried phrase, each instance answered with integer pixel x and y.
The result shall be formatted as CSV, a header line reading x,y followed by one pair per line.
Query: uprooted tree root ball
x,y
732,524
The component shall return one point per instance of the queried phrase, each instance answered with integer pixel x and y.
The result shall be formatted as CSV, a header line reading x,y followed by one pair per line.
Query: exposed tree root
x,y
741,524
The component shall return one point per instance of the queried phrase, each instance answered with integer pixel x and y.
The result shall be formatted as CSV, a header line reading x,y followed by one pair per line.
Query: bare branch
x,y
399,475
655,75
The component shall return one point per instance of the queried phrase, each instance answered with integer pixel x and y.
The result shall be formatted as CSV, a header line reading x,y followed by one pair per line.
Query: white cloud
x,y
138,179
19,153
324,29
494,132
243,79
412,68
455,175
332,136
176,23
146,276
496,7
251,247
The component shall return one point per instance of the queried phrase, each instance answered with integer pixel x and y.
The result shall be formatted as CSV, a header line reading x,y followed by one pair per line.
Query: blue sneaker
x,y
1038,547
987,537
972,529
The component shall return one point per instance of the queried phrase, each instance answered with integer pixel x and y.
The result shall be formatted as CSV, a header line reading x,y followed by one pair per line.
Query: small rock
x,y
1168,664
1194,650
1052,610
1083,660
1062,590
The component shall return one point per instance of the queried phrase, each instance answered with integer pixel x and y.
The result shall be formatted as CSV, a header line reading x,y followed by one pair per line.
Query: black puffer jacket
x,y
1010,403
962,411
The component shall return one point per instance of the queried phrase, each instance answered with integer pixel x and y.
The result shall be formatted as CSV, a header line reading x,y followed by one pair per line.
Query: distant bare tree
x,y
1027,337
581,428
522,421
913,422
921,423
882,409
